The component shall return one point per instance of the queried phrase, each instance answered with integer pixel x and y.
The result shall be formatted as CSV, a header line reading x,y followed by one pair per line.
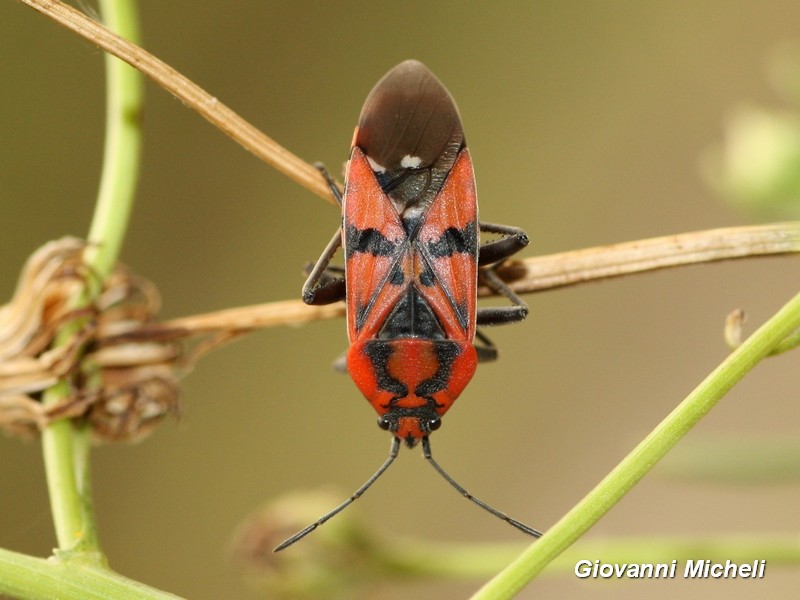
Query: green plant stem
x,y
469,561
788,343
66,496
777,550
65,446
125,91
634,466
735,459
26,576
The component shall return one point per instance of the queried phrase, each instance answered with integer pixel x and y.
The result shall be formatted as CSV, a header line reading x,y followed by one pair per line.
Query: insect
x,y
410,234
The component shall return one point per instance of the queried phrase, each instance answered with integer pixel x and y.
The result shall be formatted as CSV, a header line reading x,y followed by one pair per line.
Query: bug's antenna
x,y
426,452
303,533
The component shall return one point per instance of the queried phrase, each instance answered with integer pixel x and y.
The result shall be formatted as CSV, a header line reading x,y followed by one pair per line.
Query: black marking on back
x,y
412,317
411,224
397,277
427,277
446,354
454,240
462,311
378,353
361,314
367,241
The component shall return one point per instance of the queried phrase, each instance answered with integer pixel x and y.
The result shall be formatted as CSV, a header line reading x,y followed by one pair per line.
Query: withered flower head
x,y
337,558
123,380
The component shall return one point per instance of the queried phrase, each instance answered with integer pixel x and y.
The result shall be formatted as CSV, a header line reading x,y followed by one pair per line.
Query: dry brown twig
x,y
140,359
538,273
188,92
529,275
551,271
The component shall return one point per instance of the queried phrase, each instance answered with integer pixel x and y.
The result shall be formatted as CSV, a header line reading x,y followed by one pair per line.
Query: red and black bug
x,y
410,234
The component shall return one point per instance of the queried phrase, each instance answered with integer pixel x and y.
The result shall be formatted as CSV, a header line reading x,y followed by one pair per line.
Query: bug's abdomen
x,y
411,376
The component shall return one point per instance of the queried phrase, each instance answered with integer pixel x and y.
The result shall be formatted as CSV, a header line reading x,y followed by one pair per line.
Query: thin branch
x,y
191,94
259,316
537,273
544,272
711,245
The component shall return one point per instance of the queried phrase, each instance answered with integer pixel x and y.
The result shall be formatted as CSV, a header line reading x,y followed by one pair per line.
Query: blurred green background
x,y
586,121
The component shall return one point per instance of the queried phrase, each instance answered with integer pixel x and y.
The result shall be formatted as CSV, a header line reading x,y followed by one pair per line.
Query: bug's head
x,y
410,428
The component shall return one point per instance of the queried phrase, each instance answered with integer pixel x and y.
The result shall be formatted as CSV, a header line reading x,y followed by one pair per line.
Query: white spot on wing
x,y
375,166
410,162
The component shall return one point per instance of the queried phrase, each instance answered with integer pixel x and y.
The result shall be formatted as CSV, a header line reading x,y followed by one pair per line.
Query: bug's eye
x,y
384,423
434,424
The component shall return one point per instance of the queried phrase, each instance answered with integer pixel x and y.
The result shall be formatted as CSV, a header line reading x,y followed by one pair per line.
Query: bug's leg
x,y
322,287
325,283
513,240
500,315
487,351
330,273
335,191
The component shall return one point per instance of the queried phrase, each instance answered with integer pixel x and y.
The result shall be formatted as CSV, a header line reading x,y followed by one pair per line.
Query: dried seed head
x,y
123,373
329,565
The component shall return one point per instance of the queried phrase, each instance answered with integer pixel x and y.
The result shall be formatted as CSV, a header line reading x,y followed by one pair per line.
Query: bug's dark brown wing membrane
x,y
411,131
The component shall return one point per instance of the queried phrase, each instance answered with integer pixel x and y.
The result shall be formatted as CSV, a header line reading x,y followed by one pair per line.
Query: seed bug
x,y
410,234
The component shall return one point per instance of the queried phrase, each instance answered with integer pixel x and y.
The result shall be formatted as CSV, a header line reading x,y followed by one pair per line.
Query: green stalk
x,y
633,467
420,559
776,549
65,446
55,579
125,91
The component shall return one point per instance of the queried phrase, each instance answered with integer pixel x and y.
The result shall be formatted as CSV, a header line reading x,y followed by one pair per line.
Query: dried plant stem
x,y
259,316
539,273
578,266
544,272
189,93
